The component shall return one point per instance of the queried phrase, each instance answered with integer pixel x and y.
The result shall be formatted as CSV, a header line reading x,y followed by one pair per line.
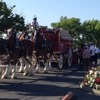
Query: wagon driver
x,y
35,25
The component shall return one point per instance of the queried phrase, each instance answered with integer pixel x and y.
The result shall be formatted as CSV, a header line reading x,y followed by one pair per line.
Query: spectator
x,y
80,55
92,53
86,58
97,51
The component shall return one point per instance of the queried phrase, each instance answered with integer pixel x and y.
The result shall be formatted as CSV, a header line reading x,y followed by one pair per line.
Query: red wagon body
x,y
62,44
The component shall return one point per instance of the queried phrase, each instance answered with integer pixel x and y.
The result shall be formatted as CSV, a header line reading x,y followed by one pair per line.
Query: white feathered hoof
x,y
25,74
45,71
13,76
21,71
5,76
37,70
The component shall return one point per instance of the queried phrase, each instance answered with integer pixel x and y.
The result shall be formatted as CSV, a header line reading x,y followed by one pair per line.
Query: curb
x,y
68,96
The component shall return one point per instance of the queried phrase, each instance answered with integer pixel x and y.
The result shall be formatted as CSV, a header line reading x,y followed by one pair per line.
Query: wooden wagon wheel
x,y
60,61
69,60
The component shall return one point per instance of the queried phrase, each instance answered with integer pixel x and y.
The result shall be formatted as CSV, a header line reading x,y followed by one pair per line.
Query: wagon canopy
x,y
65,35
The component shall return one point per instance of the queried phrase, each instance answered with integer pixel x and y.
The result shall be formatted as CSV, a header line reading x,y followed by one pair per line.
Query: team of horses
x,y
24,54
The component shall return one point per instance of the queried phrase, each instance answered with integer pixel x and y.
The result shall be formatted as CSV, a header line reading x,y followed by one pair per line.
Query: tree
x,y
91,31
73,25
8,19
88,31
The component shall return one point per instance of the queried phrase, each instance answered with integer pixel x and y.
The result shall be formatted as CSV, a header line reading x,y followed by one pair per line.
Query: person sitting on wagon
x,y
35,25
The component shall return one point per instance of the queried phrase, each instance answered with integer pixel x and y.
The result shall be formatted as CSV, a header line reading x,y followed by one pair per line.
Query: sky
x,y
50,11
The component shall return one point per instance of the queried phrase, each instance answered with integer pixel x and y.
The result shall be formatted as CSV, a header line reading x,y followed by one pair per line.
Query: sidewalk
x,y
76,77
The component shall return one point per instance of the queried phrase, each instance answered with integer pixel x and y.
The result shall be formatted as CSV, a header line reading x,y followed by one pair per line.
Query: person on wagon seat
x,y
35,25
13,31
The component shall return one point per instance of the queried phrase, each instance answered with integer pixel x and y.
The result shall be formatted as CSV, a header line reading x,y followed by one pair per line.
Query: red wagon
x,y
62,45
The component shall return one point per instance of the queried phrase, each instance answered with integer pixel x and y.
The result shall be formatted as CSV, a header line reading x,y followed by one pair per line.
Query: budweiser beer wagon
x,y
62,45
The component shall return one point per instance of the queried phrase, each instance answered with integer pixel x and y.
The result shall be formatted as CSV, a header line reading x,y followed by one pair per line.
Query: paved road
x,y
51,86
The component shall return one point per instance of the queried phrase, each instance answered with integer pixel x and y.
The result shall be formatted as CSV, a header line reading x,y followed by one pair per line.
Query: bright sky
x,y
49,11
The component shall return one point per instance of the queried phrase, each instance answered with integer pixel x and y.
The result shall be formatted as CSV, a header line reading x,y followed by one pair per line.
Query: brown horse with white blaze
x,y
43,51
15,54
28,48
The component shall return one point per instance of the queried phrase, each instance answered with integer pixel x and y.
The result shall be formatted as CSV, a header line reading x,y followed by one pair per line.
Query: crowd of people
x,y
87,55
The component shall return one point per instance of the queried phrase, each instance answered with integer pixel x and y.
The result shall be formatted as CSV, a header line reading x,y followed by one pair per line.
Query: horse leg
x,y
21,69
14,75
46,65
31,67
37,70
50,66
8,69
7,72
26,72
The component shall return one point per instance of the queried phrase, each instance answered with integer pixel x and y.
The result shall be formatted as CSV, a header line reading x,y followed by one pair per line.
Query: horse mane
x,y
22,36
11,41
38,38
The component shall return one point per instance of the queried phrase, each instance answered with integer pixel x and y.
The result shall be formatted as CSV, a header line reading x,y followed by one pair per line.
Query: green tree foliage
x,y
88,31
91,31
8,19
73,25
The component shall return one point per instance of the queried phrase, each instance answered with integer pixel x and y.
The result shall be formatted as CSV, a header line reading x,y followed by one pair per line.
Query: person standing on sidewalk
x,y
86,58
97,51
80,55
92,53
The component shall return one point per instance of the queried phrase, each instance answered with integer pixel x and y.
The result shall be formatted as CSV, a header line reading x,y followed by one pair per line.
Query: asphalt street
x,y
51,86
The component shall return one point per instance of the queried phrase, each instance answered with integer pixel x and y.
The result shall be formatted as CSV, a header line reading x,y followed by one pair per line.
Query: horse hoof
x,y
13,77
4,77
21,71
25,74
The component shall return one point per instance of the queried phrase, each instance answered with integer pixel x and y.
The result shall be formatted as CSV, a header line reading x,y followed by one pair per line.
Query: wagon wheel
x,y
60,61
69,60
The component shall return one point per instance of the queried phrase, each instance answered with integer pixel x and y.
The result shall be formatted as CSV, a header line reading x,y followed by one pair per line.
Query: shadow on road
x,y
54,84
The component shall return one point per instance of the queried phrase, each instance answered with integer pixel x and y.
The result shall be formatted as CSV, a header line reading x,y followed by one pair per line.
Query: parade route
x,y
51,86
